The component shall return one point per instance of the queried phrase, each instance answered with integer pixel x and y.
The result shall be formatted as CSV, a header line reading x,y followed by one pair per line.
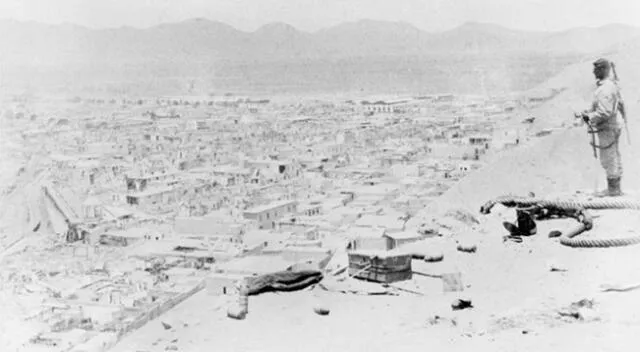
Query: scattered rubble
x,y
582,310
467,247
433,257
460,304
438,320
321,310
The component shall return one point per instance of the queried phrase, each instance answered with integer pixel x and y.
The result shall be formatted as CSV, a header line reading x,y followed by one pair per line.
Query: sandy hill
x,y
561,162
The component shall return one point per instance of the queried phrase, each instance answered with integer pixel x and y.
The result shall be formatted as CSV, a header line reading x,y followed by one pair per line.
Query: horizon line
x,y
204,19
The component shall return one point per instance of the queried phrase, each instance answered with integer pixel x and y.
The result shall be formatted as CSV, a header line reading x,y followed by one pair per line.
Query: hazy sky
x,y
310,15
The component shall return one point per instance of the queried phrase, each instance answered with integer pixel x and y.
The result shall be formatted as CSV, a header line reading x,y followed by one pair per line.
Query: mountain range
x,y
202,39
364,56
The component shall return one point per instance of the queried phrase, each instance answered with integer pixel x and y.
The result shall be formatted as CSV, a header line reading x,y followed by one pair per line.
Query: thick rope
x,y
597,204
575,209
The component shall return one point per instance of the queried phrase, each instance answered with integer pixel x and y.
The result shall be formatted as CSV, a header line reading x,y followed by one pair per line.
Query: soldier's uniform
x,y
605,119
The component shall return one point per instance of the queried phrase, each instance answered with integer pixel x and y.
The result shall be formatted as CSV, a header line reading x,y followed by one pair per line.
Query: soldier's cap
x,y
602,63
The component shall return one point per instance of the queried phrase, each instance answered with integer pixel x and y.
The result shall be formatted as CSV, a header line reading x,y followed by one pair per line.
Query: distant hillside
x,y
200,39
362,56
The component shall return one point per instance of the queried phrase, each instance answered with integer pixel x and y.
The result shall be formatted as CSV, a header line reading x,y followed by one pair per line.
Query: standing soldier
x,y
604,120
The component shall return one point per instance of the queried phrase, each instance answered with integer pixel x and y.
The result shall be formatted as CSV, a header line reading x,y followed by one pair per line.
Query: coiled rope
x,y
575,205
577,210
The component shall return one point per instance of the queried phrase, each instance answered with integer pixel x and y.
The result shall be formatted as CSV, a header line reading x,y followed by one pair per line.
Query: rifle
x,y
620,104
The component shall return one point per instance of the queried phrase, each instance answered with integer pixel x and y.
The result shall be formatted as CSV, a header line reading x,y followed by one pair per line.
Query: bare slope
x,y
561,162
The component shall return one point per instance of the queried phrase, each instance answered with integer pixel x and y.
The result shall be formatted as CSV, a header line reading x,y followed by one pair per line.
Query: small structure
x,y
128,237
267,215
311,209
305,237
480,140
154,200
347,197
212,225
380,266
232,174
389,106
140,183
91,208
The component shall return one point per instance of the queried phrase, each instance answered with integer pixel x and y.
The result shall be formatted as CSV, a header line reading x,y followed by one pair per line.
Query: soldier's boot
x,y
613,185
613,188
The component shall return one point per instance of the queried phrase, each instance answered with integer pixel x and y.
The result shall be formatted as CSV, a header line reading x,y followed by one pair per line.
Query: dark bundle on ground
x,y
283,281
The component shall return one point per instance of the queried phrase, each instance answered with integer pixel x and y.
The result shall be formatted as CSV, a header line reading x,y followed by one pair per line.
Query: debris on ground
x,y
236,313
556,269
524,226
619,288
283,281
357,287
403,289
321,310
516,239
438,320
462,216
555,234
428,256
460,304
467,247
582,310
433,257
583,303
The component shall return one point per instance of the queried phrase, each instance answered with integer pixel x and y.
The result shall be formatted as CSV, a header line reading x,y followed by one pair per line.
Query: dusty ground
x,y
517,300
287,323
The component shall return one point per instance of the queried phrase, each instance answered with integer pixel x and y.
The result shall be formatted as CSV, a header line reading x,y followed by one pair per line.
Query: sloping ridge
x,y
561,162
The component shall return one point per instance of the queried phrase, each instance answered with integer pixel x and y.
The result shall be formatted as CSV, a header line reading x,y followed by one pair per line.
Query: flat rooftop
x,y
272,205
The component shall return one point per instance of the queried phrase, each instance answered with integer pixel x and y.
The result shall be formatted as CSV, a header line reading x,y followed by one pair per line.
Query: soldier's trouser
x,y
610,158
